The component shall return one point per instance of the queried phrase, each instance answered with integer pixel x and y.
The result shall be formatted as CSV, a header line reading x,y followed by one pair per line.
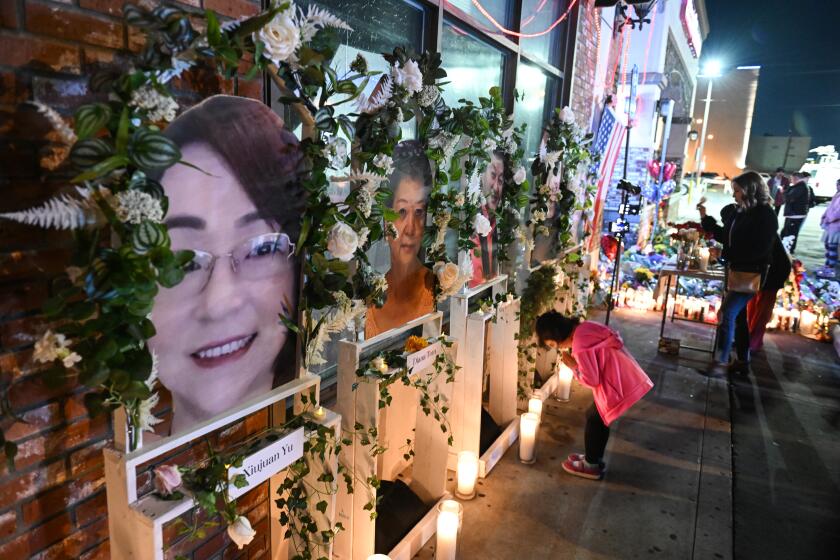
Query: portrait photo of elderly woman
x,y
483,256
219,335
410,284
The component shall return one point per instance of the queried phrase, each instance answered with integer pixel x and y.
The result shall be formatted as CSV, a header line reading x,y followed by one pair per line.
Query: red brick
x,y
12,89
32,390
63,497
97,56
20,487
87,458
25,264
34,421
232,8
37,52
13,363
38,538
73,26
92,509
64,94
58,441
251,88
100,552
110,7
19,298
8,524
72,546
22,332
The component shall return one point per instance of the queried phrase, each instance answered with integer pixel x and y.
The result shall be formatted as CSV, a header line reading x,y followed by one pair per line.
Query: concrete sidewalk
x,y
668,488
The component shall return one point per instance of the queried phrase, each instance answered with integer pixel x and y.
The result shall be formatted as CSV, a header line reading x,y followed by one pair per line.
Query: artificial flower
x,y
567,115
364,203
415,344
363,235
519,175
459,199
482,225
379,364
447,274
489,145
167,479
280,37
52,346
240,531
384,162
158,107
428,96
134,207
409,76
342,242
391,231
146,418
71,359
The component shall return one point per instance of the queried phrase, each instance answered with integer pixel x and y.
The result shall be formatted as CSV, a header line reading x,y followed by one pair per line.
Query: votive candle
x,y
448,526
535,405
564,384
467,474
528,423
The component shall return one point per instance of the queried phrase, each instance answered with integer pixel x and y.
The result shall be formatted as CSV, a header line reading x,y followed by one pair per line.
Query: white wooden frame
x,y
428,479
469,330
136,524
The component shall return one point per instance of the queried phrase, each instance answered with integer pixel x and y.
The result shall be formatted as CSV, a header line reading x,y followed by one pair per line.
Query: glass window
x,y
537,16
498,10
537,93
472,66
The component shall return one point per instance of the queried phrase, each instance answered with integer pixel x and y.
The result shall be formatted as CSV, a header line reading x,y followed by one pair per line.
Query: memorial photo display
x,y
238,207
410,283
484,259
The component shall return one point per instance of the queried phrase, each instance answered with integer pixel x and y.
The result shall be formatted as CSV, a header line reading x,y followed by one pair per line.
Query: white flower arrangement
x,y
379,99
336,152
134,207
158,107
384,162
409,76
55,346
364,202
460,200
538,216
428,96
288,30
343,241
567,115
391,231
345,311
519,175
379,364
489,145
482,225
241,532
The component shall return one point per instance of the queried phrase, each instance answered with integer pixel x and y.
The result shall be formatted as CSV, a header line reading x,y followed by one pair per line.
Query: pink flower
x,y
167,479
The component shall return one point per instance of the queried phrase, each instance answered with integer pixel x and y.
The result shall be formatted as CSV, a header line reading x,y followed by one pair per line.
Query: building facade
x,y
768,153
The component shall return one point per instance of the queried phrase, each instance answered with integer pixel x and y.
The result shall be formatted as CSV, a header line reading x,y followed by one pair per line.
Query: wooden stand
x,y
470,329
394,424
136,524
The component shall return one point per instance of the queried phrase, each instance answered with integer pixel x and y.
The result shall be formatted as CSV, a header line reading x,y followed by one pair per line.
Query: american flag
x,y
608,143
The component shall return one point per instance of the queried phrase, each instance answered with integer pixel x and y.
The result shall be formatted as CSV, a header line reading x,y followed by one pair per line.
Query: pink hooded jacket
x,y
616,379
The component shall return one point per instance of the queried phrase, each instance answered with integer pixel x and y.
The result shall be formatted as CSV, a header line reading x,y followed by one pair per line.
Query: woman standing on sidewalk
x,y
830,223
749,234
597,356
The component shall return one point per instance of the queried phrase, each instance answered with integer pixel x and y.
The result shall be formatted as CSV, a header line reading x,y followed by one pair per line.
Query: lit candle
x,y
528,423
319,413
535,405
379,557
564,385
448,525
807,322
467,474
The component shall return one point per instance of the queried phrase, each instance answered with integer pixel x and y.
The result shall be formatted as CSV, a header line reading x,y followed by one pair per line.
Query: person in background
x,y
748,233
830,223
759,310
777,185
599,360
798,200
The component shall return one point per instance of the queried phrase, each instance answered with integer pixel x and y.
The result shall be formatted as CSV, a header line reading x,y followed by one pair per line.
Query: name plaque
x,y
424,358
268,461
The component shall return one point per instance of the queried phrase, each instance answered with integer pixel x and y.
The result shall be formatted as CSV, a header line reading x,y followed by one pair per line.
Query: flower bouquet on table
x,y
687,236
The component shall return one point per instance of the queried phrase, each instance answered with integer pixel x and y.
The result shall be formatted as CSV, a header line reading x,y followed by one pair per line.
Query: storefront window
x,y
536,97
472,66
498,10
537,16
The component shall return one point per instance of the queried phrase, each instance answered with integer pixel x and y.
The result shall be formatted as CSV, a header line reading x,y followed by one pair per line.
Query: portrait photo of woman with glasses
x,y
238,206
410,283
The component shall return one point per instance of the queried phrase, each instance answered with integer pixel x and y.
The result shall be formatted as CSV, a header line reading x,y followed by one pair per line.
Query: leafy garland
x,y
390,367
537,298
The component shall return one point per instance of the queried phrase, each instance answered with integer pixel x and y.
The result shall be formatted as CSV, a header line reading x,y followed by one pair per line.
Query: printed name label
x,y
268,461
418,361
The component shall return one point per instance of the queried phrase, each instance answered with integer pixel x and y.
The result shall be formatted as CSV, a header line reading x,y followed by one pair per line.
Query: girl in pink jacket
x,y
600,361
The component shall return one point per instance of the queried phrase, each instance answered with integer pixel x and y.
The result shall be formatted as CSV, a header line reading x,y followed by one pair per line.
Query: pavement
x,y
675,486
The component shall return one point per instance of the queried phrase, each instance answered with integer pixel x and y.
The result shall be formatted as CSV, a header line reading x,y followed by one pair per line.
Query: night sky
x,y
797,45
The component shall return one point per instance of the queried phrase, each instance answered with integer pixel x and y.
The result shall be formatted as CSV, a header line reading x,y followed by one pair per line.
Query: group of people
x,y
797,196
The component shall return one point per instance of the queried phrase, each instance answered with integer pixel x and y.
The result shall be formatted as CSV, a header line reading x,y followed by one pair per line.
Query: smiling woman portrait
x,y
238,206
410,284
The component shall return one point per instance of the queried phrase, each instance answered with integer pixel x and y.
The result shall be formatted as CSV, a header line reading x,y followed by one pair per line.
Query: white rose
x,y
409,77
343,241
489,145
281,37
240,531
567,115
519,176
459,199
447,274
384,162
379,364
482,225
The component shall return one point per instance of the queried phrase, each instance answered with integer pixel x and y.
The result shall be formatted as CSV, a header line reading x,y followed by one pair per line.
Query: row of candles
x,y
450,513
687,307
795,320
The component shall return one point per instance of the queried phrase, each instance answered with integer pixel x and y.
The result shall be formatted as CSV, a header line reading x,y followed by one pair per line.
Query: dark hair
x,y
555,326
410,162
780,170
754,189
267,160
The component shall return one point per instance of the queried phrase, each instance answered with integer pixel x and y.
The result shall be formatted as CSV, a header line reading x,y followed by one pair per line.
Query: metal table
x,y
669,272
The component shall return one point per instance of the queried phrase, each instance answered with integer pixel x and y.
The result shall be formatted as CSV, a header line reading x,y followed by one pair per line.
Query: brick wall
x,y
586,59
52,499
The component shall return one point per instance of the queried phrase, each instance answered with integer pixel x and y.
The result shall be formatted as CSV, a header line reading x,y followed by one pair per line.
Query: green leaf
x,y
89,119
321,506
122,131
101,169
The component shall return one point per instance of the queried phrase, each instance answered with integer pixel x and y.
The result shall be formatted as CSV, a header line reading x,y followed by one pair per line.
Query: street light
x,y
711,69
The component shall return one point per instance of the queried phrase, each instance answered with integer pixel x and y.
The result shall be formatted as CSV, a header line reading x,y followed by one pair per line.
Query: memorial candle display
x,y
448,527
535,405
467,474
703,254
564,384
528,423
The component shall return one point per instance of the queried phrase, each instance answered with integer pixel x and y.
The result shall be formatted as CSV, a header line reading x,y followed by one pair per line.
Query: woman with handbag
x,y
749,233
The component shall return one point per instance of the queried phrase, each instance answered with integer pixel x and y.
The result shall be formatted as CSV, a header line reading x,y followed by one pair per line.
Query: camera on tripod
x,y
628,187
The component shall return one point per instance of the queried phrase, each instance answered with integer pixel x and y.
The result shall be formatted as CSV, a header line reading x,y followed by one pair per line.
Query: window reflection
x,y
472,66
498,10
537,16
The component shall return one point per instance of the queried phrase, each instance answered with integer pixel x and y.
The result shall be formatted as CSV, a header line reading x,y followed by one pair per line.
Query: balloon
x,y
670,169
653,168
